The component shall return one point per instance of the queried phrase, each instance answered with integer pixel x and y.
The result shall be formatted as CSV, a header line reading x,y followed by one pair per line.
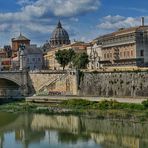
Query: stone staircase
x,y
52,81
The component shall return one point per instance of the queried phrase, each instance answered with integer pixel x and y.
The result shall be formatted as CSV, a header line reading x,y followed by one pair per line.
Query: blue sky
x,y
83,19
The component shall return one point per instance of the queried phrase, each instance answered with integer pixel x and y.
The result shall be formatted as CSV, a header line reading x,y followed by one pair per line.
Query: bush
x,y
102,105
77,103
105,104
145,103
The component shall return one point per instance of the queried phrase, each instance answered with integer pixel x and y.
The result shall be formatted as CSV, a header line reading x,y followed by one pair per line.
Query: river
x,y
52,131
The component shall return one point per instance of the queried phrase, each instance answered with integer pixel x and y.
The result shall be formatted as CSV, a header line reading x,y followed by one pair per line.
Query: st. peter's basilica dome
x,y
59,36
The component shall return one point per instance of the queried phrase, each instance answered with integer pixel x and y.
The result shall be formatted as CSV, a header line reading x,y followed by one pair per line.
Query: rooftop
x,y
20,38
122,31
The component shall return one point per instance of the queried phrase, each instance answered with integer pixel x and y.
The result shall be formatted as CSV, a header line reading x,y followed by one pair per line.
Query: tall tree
x,y
64,57
80,60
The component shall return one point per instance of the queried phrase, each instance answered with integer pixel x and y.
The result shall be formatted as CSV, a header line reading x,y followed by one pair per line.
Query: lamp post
x,y
22,56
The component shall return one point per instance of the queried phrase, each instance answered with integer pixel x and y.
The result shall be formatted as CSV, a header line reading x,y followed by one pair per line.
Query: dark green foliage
x,y
64,57
108,104
102,105
80,77
145,103
71,54
80,60
77,103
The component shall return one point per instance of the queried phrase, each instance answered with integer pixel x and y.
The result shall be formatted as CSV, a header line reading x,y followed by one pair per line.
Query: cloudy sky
x,y
83,19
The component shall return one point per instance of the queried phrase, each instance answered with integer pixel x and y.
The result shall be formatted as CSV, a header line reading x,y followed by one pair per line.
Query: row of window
x,y
33,59
124,54
107,55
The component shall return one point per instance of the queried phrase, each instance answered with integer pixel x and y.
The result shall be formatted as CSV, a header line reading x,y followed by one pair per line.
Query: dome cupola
x,y
59,36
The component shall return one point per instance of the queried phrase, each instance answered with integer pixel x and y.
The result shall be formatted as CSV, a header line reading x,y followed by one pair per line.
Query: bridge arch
x,y
16,81
9,88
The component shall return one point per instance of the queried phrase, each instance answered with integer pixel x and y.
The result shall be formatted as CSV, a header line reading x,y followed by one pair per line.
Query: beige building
x,y
51,62
125,47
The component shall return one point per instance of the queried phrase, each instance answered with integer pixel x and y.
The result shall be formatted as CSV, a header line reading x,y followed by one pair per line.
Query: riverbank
x,y
104,109
58,99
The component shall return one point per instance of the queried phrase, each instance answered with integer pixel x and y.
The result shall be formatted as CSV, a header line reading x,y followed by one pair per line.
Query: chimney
x,y
142,21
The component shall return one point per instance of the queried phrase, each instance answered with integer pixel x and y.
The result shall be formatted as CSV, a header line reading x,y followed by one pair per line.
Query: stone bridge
x,y
13,84
22,83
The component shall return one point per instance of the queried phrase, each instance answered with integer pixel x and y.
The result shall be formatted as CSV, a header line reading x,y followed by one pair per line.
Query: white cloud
x,y
115,22
24,2
35,16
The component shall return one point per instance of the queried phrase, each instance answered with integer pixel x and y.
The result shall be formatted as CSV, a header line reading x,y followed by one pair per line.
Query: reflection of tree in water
x,y
65,137
1,140
6,118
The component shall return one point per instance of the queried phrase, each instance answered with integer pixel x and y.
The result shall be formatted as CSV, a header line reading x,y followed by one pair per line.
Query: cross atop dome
x,y
59,25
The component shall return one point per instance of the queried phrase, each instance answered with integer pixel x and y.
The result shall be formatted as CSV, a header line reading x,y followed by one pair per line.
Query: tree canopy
x,y
77,60
80,60
64,57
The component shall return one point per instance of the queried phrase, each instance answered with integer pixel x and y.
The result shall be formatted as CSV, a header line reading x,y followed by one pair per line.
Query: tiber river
x,y
42,131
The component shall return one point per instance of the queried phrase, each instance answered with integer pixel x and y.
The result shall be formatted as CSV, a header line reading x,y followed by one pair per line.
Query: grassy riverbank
x,y
103,109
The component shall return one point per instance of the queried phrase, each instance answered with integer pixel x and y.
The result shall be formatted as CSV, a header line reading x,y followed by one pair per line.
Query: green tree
x,y
80,60
64,57
71,54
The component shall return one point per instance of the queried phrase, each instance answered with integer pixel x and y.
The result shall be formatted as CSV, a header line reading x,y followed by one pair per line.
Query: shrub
x,y
145,103
77,103
102,105
105,104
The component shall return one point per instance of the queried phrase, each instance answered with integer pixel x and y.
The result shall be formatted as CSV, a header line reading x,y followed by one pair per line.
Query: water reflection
x,y
35,131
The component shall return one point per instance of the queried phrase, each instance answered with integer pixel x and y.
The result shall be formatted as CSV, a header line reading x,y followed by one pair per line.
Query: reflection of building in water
x,y
103,132
71,129
112,140
69,123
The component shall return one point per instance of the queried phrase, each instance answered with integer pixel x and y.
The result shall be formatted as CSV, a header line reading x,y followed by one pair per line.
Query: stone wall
x,y
63,83
114,84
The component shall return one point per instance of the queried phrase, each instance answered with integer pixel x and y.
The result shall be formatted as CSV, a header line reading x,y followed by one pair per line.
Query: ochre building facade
x,y
125,47
51,62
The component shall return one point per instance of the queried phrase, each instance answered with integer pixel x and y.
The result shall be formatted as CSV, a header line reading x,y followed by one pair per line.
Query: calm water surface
x,y
42,131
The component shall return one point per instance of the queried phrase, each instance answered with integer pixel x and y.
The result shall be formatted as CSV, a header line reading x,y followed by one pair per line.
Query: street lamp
x,y
22,55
